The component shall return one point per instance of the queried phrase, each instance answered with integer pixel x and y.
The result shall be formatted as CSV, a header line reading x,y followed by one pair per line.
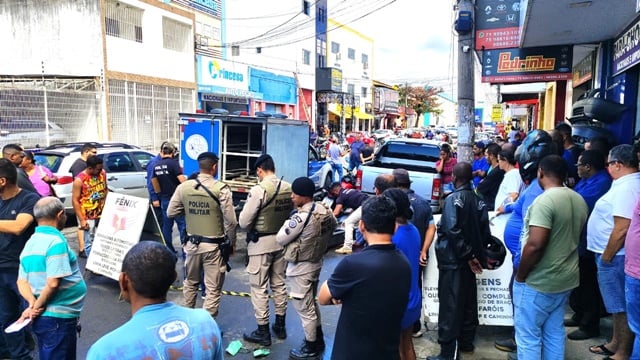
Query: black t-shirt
x,y
11,245
373,286
24,183
77,167
367,151
422,213
351,198
166,170
488,187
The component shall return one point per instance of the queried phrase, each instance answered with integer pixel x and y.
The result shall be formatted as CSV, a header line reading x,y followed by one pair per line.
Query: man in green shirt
x,y
549,265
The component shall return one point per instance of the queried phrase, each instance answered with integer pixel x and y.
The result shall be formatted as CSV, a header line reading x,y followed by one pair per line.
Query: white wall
x,y
352,70
64,34
282,48
150,58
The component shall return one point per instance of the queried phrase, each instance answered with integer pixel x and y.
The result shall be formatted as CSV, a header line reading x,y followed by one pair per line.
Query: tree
x,y
420,99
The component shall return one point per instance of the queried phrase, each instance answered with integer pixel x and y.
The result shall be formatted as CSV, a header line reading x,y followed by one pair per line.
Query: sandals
x,y
601,350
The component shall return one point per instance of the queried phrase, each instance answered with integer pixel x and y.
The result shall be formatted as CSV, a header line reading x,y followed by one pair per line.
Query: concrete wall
x,y
64,34
150,58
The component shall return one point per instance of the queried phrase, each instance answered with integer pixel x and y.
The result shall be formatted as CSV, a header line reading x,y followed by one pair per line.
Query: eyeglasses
x,y
612,162
580,164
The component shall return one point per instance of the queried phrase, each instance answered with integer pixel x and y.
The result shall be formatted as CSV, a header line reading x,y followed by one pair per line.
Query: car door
x,y
124,174
315,167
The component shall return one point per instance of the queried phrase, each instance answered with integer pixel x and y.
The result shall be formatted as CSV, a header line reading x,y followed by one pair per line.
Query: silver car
x,y
125,166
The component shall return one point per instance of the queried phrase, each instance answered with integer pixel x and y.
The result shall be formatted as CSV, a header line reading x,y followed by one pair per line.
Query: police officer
x,y
211,231
268,206
305,237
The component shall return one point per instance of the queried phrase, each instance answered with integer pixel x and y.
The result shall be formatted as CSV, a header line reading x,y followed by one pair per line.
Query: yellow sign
x,y
496,113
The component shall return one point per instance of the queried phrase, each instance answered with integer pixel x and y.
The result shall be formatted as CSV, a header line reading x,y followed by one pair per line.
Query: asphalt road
x,y
103,312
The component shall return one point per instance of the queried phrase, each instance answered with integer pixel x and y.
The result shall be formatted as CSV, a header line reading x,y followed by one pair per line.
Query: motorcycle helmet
x,y
536,145
494,253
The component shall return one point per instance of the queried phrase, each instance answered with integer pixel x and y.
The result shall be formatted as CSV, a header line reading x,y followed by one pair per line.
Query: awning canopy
x,y
363,115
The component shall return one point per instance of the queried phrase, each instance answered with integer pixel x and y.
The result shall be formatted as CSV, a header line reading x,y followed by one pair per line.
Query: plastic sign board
x,y
496,112
497,24
494,300
123,218
527,65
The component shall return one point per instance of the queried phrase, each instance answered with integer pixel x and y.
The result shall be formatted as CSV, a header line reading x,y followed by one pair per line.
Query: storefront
x,y
278,92
223,85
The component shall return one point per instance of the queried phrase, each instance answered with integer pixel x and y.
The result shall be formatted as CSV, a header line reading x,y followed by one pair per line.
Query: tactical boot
x,y
320,338
308,350
279,328
260,336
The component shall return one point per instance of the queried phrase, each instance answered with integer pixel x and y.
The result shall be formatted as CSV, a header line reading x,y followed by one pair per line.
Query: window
x,y
322,61
365,61
306,57
321,15
351,53
142,158
363,91
306,7
123,21
335,47
235,50
175,35
118,162
351,89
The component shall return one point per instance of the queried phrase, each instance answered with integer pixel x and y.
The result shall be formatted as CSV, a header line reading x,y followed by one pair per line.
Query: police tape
x,y
244,294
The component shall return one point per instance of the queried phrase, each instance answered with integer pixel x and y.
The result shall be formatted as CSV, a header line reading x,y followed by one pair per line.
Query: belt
x,y
209,240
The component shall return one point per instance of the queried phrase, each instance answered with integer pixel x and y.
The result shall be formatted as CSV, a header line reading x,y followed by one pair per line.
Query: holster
x,y
225,251
253,236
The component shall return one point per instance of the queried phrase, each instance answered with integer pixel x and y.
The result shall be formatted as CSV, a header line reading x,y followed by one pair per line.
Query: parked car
x,y
320,170
383,134
125,166
29,133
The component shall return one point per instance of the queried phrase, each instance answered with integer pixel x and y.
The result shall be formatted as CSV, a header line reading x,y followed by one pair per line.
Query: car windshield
x,y
409,151
51,161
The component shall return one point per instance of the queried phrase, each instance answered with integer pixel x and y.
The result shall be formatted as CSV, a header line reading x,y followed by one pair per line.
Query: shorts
x,y
611,281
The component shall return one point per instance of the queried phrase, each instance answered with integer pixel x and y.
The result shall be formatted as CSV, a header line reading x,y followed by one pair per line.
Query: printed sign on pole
x,y
496,112
494,300
119,229
537,64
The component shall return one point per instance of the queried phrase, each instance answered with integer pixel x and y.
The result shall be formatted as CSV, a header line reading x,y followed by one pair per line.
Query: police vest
x,y
311,245
271,217
203,215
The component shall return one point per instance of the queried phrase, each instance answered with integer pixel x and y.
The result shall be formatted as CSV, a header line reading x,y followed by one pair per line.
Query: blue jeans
x,y
167,225
611,282
89,235
337,170
11,345
632,292
56,337
539,322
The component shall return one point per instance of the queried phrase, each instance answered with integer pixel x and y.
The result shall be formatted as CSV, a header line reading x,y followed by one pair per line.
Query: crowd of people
x,y
572,234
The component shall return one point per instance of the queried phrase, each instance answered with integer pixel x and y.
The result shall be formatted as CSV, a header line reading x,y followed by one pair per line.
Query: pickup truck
x,y
417,156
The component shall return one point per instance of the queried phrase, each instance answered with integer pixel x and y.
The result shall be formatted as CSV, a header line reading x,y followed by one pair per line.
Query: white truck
x,y
418,156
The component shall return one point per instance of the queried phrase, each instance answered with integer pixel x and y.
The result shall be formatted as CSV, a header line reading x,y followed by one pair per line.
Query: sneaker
x,y
508,345
418,333
175,287
203,296
344,250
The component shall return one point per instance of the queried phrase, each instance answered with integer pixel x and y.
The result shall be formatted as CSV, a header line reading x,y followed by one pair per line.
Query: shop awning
x,y
363,115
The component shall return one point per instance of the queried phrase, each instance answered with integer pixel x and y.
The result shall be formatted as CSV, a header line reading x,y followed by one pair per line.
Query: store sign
x,y
386,100
626,49
477,115
329,79
496,112
225,99
497,24
527,65
582,71
221,73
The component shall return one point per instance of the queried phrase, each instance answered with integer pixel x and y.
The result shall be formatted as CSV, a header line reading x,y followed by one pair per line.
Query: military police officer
x,y
305,237
211,231
268,206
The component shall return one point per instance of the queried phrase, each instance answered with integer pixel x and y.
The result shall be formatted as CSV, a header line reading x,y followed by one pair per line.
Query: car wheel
x,y
328,181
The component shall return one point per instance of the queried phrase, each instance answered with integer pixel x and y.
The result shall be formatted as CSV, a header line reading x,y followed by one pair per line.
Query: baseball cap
x,y
480,145
168,148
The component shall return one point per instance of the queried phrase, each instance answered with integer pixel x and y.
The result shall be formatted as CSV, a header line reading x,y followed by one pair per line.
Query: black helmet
x,y
494,253
536,145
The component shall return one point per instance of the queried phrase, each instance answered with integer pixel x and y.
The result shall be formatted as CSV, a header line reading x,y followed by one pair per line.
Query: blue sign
x,y
477,112
626,49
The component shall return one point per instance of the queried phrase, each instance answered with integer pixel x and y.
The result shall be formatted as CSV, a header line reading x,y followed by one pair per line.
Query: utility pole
x,y
466,80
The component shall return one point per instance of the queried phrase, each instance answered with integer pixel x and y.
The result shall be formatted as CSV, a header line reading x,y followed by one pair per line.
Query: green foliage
x,y
420,99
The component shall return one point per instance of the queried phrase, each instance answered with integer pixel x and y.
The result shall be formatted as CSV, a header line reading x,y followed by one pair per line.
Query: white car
x,y
125,166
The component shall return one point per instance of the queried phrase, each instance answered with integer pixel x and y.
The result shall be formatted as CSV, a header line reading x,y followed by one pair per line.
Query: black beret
x,y
303,186
208,155
262,158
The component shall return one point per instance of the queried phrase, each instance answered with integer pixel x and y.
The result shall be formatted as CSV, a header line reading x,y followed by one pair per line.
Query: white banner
x,y
119,230
494,300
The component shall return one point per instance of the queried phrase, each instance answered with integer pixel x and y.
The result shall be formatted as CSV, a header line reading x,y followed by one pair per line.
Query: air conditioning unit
x,y
338,56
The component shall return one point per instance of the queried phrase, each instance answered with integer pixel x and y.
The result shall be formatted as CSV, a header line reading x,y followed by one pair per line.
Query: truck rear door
x,y
198,134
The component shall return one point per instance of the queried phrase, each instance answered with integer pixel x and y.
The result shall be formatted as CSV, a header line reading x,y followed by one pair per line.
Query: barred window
x,y
175,35
123,21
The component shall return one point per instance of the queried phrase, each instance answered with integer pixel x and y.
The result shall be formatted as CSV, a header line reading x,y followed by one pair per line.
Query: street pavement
x,y
104,311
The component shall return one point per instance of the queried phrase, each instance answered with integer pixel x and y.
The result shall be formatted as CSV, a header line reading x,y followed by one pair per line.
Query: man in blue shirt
x,y
167,175
158,329
354,157
586,300
153,196
480,164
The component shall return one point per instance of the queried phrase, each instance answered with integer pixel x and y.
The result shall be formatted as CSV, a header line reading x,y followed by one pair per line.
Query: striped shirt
x,y
47,255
